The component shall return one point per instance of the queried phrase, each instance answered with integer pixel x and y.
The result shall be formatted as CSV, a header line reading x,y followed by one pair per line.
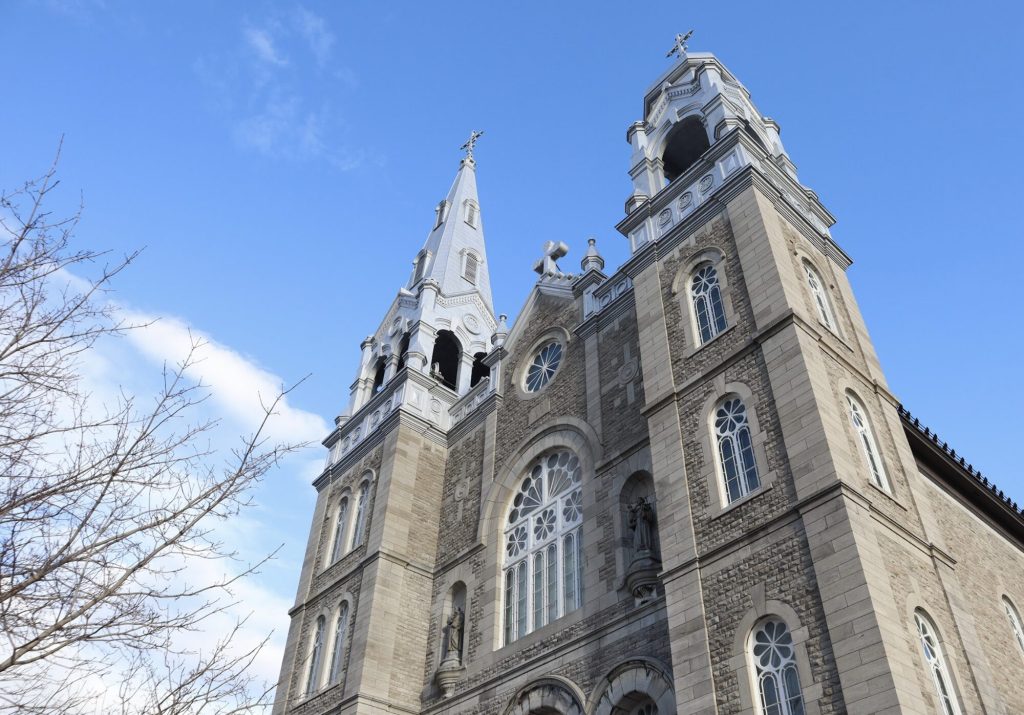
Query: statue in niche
x,y
456,623
641,521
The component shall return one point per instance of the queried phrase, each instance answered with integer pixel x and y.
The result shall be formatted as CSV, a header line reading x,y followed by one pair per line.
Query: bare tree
x,y
104,508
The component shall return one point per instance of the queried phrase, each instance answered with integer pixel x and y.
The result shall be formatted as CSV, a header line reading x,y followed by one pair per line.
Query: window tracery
x,y
868,445
340,636
1015,623
778,682
315,655
820,296
543,367
340,525
936,662
542,545
360,527
735,449
706,295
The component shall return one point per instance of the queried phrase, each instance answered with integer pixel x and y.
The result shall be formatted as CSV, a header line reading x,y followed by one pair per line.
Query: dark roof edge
x,y
962,477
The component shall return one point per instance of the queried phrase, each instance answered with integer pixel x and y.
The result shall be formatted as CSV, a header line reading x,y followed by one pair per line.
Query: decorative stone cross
x,y
680,47
471,143
546,266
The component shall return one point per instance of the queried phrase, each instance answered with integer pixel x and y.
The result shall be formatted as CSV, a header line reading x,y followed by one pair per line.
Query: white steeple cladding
x,y
440,322
699,128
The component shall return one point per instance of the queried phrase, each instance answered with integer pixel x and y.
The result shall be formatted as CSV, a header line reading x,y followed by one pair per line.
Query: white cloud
x,y
237,385
262,43
313,30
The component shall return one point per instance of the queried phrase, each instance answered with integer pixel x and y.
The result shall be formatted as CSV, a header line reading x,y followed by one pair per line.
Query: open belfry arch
x,y
682,486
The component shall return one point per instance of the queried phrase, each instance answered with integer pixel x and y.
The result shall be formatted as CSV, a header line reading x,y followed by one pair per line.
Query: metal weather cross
x,y
679,48
471,143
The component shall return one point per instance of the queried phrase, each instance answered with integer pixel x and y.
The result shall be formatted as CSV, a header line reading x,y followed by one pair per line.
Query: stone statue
x,y
641,521
456,622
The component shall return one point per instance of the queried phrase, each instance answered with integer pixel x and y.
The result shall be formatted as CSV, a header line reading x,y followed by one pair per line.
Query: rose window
x,y
543,366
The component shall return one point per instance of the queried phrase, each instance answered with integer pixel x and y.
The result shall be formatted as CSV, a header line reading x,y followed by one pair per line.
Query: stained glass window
x,y
936,663
820,295
868,446
543,366
339,531
707,302
542,554
1015,624
340,635
735,449
778,682
315,656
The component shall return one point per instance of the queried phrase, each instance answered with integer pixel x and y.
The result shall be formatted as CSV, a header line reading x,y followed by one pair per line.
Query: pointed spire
x,y
454,255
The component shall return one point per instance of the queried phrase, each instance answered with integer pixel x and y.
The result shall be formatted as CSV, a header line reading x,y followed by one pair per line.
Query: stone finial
x,y
501,332
592,260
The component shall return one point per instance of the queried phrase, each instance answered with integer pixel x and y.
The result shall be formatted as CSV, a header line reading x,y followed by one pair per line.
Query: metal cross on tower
x,y
471,144
679,48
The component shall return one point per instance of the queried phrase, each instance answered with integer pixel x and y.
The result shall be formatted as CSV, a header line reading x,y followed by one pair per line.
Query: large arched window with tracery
x,y
936,662
735,449
868,445
542,559
706,294
778,683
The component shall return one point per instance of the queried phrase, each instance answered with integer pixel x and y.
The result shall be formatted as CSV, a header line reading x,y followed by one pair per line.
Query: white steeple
x,y
440,321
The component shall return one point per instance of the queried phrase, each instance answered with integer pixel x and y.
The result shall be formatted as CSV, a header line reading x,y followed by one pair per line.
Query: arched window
x,y
1015,624
360,528
340,636
542,545
339,531
936,663
315,655
403,351
778,683
820,295
480,370
707,302
868,445
735,449
686,143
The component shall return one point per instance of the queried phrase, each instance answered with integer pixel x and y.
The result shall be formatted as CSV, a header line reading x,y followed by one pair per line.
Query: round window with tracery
x,y
543,367
542,545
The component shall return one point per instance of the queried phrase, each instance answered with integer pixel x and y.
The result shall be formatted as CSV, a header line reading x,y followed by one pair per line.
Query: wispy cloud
x,y
280,89
262,44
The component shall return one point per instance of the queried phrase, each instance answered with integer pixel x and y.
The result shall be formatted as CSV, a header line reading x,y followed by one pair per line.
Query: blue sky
x,y
280,163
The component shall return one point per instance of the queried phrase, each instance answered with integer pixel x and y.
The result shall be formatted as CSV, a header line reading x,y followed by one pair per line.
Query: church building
x,y
681,486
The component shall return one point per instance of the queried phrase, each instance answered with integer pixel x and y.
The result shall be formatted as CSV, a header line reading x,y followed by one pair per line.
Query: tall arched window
x,y
820,295
340,636
707,302
735,449
778,683
339,531
1015,623
868,445
542,545
359,532
936,663
315,655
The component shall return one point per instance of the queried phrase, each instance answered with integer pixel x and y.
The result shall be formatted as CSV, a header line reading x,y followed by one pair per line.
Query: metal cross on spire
x,y
679,48
471,143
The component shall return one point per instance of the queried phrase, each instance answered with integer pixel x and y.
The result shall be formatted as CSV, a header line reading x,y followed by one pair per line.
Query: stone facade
x,y
850,535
